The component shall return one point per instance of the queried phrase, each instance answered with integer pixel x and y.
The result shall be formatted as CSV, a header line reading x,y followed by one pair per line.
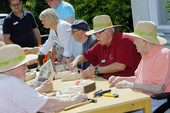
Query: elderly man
x,y
18,97
153,72
79,28
114,54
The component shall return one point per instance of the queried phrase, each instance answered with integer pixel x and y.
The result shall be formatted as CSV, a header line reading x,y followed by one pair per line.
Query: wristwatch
x,y
96,71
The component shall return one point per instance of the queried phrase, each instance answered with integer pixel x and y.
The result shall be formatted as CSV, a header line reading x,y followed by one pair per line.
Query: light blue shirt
x,y
65,10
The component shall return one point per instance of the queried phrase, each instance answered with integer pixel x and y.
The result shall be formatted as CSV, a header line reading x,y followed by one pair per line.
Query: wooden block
x,y
89,87
30,76
71,76
29,50
60,68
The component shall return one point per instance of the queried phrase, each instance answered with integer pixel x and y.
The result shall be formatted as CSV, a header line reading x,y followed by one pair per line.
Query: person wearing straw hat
x,y
18,97
114,54
153,72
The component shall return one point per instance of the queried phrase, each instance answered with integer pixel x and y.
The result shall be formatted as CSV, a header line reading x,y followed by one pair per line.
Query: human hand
x,y
72,65
124,84
79,97
89,72
45,87
113,80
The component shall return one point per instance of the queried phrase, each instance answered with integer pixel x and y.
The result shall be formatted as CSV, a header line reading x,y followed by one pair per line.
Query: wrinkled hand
x,y
113,80
79,97
45,87
72,65
124,84
89,72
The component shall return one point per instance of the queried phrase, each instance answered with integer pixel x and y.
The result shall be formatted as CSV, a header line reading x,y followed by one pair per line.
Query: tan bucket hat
x,y
12,56
100,23
147,30
2,43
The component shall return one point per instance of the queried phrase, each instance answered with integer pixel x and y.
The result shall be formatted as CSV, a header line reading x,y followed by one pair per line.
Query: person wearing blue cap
x,y
79,28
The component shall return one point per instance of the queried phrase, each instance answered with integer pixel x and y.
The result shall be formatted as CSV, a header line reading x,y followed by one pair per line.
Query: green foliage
x,y
118,10
36,7
4,7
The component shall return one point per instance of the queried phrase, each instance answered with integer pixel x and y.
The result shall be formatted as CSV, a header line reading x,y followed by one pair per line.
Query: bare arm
x,y
145,88
54,104
150,88
37,35
78,60
70,19
112,68
113,80
7,39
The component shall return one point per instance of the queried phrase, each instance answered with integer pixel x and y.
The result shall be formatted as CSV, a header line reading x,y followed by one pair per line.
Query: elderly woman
x,y
68,47
153,72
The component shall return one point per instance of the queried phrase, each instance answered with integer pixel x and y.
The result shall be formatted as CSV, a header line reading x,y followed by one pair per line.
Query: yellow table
x,y
128,100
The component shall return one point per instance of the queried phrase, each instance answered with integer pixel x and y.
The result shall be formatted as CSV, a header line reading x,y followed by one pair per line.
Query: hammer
x,y
80,104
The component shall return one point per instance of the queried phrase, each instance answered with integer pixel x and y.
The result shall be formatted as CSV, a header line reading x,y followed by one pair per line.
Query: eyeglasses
x,y
73,31
48,1
14,5
100,32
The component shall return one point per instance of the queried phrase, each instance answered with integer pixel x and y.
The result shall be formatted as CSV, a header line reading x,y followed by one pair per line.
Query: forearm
x,y
150,89
80,59
112,68
54,104
7,39
37,35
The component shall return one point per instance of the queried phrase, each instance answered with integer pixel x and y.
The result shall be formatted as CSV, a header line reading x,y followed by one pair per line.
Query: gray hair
x,y
50,15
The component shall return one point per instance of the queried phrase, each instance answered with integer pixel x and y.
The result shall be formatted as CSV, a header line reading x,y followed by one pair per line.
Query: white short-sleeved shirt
x,y
65,39
18,97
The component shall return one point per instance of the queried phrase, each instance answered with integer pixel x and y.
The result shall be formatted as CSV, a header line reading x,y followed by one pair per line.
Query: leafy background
x,y
118,10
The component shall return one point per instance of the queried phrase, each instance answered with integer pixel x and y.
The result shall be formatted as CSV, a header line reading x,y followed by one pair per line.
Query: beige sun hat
x,y
100,23
12,56
147,30
2,43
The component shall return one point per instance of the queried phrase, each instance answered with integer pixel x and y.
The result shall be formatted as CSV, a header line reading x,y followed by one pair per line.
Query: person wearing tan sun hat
x,y
18,97
153,72
114,54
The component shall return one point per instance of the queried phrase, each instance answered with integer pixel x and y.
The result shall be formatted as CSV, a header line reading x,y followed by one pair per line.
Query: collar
x,y
114,38
24,14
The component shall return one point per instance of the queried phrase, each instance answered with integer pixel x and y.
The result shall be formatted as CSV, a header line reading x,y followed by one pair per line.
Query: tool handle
x,y
76,105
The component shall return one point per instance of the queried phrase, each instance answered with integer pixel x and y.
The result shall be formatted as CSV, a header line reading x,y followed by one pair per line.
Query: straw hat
x,y
147,31
12,56
2,43
100,23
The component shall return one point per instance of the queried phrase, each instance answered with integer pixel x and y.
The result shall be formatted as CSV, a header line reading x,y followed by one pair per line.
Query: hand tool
x,y
80,104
